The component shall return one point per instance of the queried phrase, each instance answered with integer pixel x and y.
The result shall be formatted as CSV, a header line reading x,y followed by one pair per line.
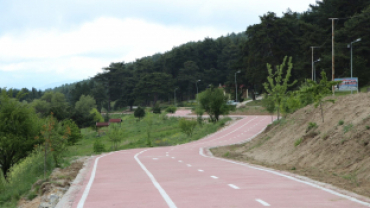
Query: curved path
x,y
186,176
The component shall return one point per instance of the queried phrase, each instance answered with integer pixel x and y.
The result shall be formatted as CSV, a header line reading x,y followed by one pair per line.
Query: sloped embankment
x,y
336,151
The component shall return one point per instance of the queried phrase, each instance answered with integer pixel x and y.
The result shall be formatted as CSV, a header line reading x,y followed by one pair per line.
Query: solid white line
x,y
188,165
263,203
289,177
168,200
233,186
91,180
215,177
200,170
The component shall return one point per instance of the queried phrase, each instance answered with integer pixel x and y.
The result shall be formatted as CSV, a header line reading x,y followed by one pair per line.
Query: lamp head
x,y
358,40
199,80
238,71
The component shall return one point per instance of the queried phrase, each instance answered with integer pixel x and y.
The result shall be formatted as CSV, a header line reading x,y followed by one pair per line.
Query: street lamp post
x,y
312,47
236,87
196,83
314,74
358,40
174,95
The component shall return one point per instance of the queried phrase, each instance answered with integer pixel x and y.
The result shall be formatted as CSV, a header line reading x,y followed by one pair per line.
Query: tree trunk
x,y
322,112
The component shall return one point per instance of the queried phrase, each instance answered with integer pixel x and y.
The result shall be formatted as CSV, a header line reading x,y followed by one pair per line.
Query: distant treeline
x,y
215,61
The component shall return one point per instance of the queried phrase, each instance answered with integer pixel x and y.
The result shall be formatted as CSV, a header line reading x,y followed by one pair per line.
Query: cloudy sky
x,y
47,43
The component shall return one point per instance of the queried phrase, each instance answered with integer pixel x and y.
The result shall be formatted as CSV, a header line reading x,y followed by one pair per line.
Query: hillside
x,y
335,152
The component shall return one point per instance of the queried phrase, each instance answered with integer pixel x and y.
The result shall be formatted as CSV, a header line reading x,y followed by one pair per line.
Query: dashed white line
x,y
188,165
173,157
200,170
155,158
215,177
263,203
233,186
180,161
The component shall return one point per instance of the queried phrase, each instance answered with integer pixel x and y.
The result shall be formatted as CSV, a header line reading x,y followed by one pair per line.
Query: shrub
x,y
156,109
341,122
171,109
98,146
96,115
187,126
311,125
139,112
75,135
367,127
199,111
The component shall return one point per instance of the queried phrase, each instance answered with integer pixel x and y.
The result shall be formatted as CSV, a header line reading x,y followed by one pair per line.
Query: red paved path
x,y
183,176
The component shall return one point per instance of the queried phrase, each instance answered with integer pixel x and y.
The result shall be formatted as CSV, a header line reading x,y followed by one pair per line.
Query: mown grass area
x,y
165,131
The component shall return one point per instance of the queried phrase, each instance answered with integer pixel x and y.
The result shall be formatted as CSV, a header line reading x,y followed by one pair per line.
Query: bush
x,y
341,122
187,126
199,111
156,109
139,112
75,135
171,109
96,115
98,146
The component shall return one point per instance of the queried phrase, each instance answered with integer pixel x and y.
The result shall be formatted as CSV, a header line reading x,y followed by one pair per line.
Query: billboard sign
x,y
348,84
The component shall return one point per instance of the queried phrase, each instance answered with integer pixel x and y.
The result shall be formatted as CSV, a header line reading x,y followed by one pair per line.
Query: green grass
x,y
298,142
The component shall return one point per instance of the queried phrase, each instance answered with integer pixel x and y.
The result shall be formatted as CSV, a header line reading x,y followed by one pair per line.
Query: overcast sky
x,y
47,43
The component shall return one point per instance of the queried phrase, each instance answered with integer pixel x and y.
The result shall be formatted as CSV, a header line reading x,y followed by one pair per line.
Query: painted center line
x,y
200,170
215,177
155,158
173,157
188,165
263,203
233,186
180,161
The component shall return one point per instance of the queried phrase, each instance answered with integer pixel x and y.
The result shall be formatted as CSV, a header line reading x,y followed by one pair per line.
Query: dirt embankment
x,y
336,151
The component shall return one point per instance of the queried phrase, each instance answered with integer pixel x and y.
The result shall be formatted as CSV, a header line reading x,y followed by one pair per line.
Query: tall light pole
x,y
196,83
236,87
333,52
174,95
358,40
315,69
312,47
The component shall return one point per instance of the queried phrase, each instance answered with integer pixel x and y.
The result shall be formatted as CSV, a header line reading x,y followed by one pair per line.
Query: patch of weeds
x,y
352,178
293,168
341,122
32,195
347,128
311,125
325,136
367,127
298,142
280,122
227,154
260,143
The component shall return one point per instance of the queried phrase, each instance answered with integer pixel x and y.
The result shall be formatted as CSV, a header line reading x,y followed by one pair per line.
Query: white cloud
x,y
82,52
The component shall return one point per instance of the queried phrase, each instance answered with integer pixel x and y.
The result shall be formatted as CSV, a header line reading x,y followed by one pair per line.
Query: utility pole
x,y
236,87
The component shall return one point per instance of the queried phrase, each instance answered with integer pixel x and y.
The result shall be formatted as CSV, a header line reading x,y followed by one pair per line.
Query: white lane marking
x,y
200,170
168,200
215,177
289,177
155,158
173,157
263,203
188,165
87,189
233,186
180,161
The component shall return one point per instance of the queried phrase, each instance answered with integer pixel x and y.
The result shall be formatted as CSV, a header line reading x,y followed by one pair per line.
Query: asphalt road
x,y
187,176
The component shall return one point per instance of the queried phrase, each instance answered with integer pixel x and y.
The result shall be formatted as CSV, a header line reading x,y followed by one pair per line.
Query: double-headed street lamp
x,y
236,87
358,40
196,83
313,64
312,47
